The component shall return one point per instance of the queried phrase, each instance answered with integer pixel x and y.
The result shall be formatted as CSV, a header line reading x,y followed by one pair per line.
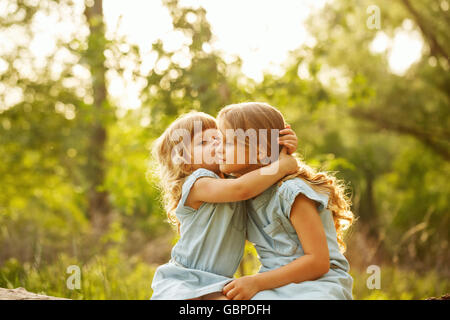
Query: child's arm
x,y
245,187
315,263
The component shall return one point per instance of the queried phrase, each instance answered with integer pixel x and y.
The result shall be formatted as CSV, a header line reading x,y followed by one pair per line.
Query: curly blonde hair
x,y
257,115
167,150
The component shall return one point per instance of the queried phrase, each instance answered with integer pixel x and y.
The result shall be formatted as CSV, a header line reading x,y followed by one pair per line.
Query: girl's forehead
x,y
211,132
208,133
222,129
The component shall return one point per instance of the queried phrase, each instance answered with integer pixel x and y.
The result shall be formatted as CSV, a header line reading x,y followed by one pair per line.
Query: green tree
x,y
192,77
376,120
98,204
55,118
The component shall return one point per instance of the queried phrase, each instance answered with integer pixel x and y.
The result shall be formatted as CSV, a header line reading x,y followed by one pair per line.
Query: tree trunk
x,y
98,203
367,207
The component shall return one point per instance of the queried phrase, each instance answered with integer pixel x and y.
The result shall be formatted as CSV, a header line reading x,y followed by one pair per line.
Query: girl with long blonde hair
x,y
296,226
207,209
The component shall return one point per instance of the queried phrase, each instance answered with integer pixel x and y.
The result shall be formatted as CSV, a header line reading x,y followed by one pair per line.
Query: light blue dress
x,y
277,243
209,250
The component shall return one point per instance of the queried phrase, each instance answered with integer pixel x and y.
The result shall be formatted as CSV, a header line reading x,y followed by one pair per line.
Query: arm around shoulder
x,y
246,186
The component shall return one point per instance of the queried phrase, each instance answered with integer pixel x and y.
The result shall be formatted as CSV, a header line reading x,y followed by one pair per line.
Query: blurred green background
x,y
75,184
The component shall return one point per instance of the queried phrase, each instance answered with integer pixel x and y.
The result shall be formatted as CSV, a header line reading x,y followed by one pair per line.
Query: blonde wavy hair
x,y
172,174
257,115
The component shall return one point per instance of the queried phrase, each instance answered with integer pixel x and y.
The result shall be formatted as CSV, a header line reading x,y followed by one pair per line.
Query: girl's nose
x,y
216,142
218,146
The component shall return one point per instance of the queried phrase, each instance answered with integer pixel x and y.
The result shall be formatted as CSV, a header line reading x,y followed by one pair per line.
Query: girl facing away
x,y
296,225
208,210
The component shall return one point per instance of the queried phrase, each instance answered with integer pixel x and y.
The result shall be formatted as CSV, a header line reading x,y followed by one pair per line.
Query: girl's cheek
x,y
229,154
209,153
199,155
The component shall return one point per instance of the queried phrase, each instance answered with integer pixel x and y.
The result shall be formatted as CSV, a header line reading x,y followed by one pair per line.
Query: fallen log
x,y
22,294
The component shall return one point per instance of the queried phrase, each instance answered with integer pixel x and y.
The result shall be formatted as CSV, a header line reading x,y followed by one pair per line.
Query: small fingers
x,y
228,287
232,294
288,144
289,139
287,131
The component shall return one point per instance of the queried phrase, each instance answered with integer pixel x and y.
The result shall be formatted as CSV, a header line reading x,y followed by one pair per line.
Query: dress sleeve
x,y
190,180
291,188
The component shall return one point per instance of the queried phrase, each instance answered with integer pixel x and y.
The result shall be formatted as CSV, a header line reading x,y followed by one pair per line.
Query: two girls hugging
x,y
294,216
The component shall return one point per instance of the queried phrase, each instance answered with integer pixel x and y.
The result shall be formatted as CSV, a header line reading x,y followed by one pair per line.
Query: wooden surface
x,y
22,294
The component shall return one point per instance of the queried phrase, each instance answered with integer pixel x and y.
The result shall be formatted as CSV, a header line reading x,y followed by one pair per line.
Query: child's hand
x,y
287,162
289,139
242,288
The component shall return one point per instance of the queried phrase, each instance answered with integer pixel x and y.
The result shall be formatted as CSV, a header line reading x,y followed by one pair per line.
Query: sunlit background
x,y
86,87
259,32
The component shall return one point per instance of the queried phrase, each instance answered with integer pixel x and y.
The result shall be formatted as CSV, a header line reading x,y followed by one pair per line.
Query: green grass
x,y
114,275
399,284
111,276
